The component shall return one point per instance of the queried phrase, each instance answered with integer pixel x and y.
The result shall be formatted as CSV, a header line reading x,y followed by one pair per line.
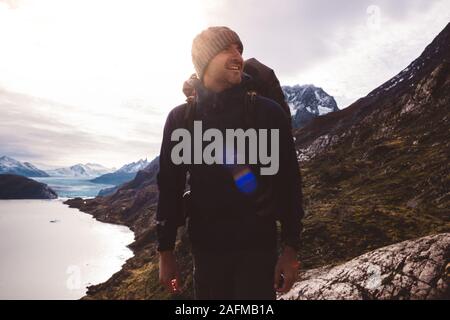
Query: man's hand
x,y
169,275
286,270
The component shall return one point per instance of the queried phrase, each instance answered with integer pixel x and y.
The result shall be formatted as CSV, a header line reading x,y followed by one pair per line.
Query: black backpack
x,y
264,83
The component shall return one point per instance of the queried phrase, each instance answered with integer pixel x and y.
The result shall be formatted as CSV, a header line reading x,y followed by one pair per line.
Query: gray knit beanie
x,y
209,43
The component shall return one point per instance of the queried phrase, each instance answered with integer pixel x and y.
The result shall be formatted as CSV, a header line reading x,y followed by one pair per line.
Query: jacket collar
x,y
218,100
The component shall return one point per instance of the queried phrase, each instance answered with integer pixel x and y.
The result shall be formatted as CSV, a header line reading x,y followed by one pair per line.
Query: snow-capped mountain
x,y
12,166
88,170
148,174
307,102
125,173
134,166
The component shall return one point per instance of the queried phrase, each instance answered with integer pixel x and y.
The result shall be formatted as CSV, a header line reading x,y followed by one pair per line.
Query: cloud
x,y
294,35
31,130
348,47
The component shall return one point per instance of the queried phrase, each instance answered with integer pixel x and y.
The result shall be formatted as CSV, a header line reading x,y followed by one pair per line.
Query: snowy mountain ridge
x,y
307,102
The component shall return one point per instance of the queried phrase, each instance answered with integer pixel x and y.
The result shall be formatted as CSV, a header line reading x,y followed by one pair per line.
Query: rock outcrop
x,y
413,269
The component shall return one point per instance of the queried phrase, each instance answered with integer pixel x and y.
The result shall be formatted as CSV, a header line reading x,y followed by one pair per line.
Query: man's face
x,y
225,69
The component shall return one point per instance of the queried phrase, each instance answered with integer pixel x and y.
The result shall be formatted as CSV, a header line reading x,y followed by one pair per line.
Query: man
x,y
233,207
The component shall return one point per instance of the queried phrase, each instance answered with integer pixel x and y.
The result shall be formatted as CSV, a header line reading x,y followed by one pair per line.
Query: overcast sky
x,y
92,81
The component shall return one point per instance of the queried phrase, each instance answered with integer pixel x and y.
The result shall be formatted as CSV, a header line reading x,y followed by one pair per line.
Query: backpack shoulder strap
x,y
189,113
249,108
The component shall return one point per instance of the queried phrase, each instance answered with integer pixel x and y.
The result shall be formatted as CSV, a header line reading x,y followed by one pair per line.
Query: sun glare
x,y
98,53
117,65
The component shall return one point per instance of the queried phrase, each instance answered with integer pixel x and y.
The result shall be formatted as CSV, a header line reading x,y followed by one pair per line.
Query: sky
x,y
93,81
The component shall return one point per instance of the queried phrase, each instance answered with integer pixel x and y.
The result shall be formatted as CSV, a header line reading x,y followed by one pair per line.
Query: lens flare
x,y
245,180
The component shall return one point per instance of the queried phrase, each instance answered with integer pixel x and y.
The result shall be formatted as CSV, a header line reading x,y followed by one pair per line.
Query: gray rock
x,y
413,269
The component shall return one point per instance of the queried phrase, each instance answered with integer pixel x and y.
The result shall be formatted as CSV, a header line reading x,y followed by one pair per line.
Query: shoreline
x,y
63,201
130,246
134,205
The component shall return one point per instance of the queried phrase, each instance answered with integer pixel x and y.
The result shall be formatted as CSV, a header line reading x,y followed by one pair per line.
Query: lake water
x,y
56,260
72,187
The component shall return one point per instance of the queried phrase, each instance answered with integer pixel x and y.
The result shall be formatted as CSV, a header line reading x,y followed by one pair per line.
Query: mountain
x,y
134,166
148,174
308,102
380,166
126,173
373,174
19,187
88,170
12,166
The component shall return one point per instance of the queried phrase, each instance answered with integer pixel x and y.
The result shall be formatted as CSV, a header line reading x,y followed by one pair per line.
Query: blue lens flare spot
x,y
245,181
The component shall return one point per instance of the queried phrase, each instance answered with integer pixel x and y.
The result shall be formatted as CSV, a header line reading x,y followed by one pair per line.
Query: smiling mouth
x,y
234,66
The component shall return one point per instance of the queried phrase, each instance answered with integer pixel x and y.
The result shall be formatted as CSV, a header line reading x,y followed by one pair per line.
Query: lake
x,y
51,251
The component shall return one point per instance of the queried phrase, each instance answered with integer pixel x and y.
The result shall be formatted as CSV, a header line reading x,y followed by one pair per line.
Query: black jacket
x,y
232,206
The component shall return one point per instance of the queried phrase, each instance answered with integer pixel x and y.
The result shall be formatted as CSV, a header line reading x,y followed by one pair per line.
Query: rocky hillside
x,y
19,187
374,174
